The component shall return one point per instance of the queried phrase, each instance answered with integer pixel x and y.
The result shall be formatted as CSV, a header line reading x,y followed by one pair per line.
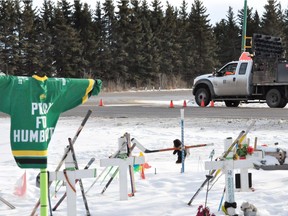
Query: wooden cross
x,y
228,165
70,175
123,165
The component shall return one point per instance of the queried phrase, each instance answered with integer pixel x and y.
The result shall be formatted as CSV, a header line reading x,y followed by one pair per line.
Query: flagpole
x,y
244,26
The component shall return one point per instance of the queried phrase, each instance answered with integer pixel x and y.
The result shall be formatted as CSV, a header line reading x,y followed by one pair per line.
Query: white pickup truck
x,y
246,81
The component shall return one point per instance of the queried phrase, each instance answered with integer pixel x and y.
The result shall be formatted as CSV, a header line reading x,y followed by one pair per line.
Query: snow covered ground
x,y
165,191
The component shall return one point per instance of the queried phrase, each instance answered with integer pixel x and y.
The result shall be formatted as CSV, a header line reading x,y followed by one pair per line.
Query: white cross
x,y
72,175
228,166
123,165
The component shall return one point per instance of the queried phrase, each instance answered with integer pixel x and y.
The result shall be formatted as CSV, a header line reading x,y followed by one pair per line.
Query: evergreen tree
x,y
186,41
9,52
183,15
135,48
66,9
98,60
109,37
156,22
250,28
44,26
83,23
204,42
254,25
67,47
28,41
147,45
170,47
120,54
227,35
272,19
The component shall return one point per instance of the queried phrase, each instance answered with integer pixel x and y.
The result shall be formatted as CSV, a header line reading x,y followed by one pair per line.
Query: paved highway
x,y
155,104
190,112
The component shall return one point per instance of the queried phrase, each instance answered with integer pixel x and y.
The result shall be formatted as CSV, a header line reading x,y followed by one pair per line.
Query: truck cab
x,y
230,81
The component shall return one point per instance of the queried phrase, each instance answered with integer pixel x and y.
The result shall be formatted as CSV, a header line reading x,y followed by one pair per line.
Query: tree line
x,y
126,43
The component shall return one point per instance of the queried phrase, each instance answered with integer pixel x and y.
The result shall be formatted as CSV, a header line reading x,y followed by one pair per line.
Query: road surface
x,y
156,104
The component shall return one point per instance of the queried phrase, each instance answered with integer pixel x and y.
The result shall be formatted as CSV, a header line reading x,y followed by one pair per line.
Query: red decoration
x,y
250,150
204,211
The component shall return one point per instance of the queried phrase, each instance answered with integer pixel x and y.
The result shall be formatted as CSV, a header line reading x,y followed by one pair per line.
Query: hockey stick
x,y
49,199
222,197
64,156
238,140
7,203
65,194
110,180
129,153
145,150
98,177
106,174
80,180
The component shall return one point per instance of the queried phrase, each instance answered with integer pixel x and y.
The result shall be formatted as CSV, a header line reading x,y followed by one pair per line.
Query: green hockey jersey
x,y
35,104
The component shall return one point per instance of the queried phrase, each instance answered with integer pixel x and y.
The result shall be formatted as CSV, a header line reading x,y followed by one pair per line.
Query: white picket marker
x,y
228,167
72,175
123,165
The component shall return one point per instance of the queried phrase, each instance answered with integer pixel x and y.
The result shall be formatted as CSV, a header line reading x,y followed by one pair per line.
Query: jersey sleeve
x,y
97,87
77,92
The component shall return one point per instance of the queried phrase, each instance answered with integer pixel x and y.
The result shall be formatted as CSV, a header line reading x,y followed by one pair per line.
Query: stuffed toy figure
x,y
248,209
177,144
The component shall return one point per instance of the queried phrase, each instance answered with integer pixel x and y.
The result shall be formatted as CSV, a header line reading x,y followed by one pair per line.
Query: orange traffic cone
x,y
101,103
171,104
212,103
184,104
202,103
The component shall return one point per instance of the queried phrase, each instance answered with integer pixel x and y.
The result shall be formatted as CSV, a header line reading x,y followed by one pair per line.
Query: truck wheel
x,y
231,103
274,99
202,94
283,103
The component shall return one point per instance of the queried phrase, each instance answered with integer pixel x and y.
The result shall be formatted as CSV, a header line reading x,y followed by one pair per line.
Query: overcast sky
x,y
217,9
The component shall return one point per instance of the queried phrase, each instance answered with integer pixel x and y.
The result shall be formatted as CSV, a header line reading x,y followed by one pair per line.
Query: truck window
x,y
228,70
243,68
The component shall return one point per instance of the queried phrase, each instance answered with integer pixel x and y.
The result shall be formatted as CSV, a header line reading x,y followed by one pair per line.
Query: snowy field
x,y
165,191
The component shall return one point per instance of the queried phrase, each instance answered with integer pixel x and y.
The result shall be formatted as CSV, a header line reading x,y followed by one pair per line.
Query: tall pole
x,y
43,192
182,140
244,26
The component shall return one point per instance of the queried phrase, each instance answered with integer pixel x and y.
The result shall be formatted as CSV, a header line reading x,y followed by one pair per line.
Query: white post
x,y
244,180
182,141
228,166
71,195
123,165
72,176
229,178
